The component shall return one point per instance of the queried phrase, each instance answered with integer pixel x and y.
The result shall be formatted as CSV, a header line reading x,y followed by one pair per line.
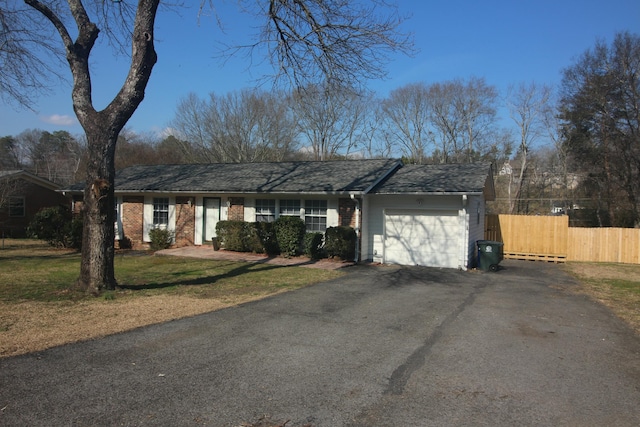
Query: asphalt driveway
x,y
381,346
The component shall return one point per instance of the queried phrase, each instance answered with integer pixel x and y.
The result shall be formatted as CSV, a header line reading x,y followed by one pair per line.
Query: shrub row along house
x,y
428,215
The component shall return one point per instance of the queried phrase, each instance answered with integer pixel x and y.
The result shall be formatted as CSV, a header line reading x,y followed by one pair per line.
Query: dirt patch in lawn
x,y
616,286
605,271
28,327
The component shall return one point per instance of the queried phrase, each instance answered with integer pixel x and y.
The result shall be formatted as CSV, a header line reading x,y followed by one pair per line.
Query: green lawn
x,y
31,270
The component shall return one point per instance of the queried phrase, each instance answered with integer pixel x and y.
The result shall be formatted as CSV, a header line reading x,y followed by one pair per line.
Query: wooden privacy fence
x,y
550,238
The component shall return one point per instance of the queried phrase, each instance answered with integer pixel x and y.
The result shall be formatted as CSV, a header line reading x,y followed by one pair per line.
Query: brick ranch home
x,y
428,215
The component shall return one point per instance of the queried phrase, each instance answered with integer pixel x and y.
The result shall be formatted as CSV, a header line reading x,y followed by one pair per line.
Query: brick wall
x,y
185,221
347,213
132,216
236,209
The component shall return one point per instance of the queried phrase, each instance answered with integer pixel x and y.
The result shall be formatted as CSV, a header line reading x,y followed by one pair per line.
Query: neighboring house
x,y
428,215
22,195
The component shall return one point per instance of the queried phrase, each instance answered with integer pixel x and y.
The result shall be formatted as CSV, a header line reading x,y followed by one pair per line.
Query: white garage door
x,y
428,238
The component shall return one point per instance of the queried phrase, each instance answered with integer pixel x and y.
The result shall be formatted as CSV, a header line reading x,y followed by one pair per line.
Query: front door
x,y
211,217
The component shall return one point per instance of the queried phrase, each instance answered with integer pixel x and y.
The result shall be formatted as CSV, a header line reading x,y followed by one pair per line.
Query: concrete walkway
x,y
206,251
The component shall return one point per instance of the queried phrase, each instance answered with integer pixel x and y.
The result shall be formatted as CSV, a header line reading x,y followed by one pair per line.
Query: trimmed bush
x,y
57,226
230,235
240,236
313,245
340,242
290,231
161,238
266,233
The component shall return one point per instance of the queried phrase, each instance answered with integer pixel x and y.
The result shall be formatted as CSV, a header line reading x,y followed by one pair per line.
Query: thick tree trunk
x,y
102,127
98,236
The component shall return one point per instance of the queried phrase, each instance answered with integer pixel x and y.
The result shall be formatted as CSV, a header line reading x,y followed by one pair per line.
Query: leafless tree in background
x,y
405,114
449,122
331,119
528,106
244,126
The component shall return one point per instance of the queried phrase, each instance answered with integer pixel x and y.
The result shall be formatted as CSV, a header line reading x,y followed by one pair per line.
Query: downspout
x,y
357,255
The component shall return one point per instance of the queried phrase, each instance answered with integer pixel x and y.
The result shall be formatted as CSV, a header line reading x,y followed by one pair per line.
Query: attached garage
x,y
424,237
428,215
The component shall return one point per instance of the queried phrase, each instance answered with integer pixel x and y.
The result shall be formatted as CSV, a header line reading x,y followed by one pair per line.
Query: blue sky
x,y
504,41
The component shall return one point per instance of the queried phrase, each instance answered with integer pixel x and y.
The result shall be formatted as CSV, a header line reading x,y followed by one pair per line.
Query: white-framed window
x,y
315,215
290,207
265,210
160,211
16,207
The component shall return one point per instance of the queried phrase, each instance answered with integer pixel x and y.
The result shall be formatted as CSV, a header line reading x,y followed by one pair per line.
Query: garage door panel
x,y
422,238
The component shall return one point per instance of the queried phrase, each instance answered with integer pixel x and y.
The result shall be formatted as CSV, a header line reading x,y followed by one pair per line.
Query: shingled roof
x,y
347,176
472,178
22,174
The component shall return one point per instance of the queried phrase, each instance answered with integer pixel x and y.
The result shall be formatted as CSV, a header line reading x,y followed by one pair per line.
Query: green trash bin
x,y
489,254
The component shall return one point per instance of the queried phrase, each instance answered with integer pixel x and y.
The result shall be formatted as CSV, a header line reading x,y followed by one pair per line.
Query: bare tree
x,y
445,122
10,157
56,156
138,149
29,58
567,181
528,105
407,123
474,104
330,117
335,41
244,126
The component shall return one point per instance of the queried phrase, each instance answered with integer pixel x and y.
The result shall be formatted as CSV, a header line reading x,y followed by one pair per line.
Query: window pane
x,y
265,210
160,211
315,215
16,206
315,223
290,207
315,207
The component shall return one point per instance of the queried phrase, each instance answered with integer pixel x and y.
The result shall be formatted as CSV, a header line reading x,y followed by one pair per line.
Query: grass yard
x,y
617,286
39,307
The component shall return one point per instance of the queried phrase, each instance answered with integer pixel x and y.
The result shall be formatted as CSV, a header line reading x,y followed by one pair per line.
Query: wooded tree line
x,y
577,150
449,122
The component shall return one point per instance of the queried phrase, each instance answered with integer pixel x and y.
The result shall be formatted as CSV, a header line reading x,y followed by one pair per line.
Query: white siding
x,y
198,222
333,216
374,216
250,208
476,215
